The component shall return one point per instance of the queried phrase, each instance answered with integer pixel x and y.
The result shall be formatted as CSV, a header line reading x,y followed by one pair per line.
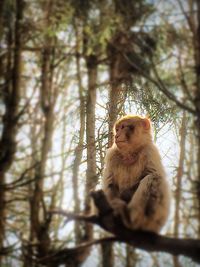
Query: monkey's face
x,y
132,133
124,133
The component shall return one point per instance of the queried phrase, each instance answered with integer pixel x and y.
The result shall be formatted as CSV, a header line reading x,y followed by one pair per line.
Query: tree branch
x,y
148,241
161,86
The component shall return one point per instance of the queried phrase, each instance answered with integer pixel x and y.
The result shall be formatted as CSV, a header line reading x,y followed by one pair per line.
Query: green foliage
x,y
8,13
158,107
132,11
151,102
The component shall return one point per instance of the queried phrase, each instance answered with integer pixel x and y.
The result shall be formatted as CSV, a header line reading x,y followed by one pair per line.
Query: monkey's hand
x,y
120,209
117,203
101,202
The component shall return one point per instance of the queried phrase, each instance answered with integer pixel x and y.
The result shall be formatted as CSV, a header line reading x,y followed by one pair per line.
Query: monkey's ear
x,y
146,123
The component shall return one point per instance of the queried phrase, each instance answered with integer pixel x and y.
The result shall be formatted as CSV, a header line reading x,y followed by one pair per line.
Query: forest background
x,y
68,70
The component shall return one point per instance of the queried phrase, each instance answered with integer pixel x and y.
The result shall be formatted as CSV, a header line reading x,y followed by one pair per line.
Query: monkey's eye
x,y
131,127
122,127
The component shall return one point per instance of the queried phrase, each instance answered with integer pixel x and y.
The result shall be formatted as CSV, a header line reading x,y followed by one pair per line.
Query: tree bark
x,y
2,4
10,119
131,256
107,252
40,221
28,260
197,99
115,93
178,182
79,148
91,175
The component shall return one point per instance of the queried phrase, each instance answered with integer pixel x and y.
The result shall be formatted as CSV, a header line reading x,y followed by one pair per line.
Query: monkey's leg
x,y
120,211
147,208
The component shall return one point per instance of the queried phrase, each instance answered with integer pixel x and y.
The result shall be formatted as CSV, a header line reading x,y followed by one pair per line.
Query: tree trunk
x,y
107,255
39,219
79,148
178,183
28,260
131,256
91,175
197,99
115,92
12,98
2,4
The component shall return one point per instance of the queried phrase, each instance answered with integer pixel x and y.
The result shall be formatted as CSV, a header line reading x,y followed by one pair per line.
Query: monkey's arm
x,y
110,189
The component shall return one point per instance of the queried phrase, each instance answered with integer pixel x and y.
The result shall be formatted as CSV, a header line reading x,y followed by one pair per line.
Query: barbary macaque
x,y
134,179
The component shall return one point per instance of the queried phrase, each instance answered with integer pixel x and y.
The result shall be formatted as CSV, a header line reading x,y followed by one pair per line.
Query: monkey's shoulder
x,y
154,161
148,159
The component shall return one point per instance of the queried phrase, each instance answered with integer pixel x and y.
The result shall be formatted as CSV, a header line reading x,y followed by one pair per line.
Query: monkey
x,y
134,179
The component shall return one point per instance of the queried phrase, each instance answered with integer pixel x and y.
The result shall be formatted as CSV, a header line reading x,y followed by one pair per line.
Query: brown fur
x,y
133,166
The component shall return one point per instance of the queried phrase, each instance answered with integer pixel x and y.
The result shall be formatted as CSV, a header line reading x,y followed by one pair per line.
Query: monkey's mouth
x,y
117,142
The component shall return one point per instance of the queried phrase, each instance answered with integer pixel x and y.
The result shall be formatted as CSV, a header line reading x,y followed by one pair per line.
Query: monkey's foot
x,y
120,210
111,214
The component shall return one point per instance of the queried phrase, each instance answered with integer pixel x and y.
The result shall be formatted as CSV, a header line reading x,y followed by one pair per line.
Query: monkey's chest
x,y
126,177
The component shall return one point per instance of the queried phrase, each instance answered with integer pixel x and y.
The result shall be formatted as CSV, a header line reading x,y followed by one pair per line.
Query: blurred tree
x,y
179,177
123,46
80,146
129,45
11,99
57,117
40,220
